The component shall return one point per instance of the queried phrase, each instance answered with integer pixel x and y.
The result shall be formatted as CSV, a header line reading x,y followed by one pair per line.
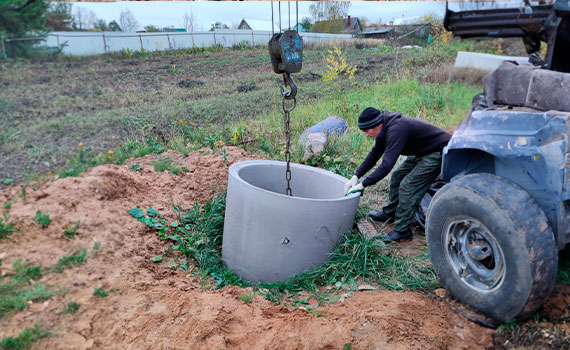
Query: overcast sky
x,y
169,13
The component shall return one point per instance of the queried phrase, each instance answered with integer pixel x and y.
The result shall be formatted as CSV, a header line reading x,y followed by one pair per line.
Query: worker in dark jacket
x,y
397,135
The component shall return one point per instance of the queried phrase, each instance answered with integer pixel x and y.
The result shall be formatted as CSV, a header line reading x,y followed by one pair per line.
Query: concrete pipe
x,y
269,236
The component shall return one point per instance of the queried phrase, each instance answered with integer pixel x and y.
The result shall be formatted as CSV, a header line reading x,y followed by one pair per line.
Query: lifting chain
x,y
286,53
286,121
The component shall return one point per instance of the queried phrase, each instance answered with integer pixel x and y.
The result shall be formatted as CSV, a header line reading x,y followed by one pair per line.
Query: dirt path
x,y
151,306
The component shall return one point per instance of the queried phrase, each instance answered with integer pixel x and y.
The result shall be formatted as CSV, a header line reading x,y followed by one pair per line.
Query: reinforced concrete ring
x,y
269,236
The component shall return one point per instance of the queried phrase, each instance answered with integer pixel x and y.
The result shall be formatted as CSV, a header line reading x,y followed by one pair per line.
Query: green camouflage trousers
x,y
408,185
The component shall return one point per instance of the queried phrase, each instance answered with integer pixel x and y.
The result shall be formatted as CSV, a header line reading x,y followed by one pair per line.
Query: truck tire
x,y
491,245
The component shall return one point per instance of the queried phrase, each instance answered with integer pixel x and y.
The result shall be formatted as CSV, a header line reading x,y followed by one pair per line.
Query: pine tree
x,y
22,19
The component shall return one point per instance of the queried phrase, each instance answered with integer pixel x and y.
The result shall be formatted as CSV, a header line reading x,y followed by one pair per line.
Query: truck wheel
x,y
491,245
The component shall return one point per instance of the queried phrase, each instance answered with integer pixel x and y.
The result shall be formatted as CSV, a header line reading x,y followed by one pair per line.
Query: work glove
x,y
352,182
357,188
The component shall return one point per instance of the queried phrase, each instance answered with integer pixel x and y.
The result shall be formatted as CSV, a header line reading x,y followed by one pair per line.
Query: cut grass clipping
x,y
198,235
24,340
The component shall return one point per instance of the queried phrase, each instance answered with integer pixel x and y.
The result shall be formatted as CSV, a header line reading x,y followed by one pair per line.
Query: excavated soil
x,y
152,306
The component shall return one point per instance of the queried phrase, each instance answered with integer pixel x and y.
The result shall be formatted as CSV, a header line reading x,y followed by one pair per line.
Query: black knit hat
x,y
370,118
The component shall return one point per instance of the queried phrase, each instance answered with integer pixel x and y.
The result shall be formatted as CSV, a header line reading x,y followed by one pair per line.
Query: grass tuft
x,y
247,297
38,293
14,294
70,232
24,340
85,158
165,164
100,292
74,259
42,219
6,227
70,308
24,273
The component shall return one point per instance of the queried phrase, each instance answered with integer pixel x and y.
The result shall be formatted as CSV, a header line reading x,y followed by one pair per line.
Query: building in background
x,y
349,25
257,24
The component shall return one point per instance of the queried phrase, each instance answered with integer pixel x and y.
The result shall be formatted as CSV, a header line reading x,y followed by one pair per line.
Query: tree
x,y
219,25
101,25
90,19
59,17
79,19
329,10
114,26
151,29
85,19
128,21
306,24
21,18
189,22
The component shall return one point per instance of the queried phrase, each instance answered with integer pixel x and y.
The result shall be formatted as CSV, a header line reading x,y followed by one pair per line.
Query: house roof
x,y
377,30
257,24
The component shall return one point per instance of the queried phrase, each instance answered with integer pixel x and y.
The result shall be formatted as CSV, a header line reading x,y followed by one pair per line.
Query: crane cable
x,y
287,110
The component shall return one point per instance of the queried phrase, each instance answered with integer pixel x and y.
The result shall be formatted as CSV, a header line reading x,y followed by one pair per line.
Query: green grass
x,y
70,232
24,340
165,164
70,308
14,288
100,292
74,259
23,273
42,219
167,119
135,167
85,157
198,235
246,297
6,227
360,258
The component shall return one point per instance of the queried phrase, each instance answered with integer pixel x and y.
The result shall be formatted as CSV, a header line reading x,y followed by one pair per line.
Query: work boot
x,y
396,236
380,216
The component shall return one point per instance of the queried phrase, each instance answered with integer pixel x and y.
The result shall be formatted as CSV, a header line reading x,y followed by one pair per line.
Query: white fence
x,y
87,43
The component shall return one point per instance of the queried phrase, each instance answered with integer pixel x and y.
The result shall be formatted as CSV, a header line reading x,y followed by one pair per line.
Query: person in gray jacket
x,y
397,135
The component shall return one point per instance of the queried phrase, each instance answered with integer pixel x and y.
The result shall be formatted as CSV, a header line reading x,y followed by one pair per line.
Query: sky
x,y
169,13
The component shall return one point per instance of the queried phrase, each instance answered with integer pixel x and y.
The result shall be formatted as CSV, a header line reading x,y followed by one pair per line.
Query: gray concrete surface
x,y
269,236
485,61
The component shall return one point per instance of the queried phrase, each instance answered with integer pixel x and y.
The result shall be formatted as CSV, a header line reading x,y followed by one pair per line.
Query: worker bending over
x,y
397,135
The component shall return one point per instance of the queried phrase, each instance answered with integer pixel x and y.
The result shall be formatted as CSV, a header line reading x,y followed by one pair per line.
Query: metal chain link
x,y
286,122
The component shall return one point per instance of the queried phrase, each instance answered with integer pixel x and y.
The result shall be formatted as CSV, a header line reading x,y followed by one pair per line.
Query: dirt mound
x,y
152,306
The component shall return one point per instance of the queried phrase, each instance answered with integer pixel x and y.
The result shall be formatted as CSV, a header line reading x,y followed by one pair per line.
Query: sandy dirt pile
x,y
151,306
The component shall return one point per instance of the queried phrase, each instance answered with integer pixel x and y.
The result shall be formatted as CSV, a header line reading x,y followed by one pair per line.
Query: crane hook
x,y
287,81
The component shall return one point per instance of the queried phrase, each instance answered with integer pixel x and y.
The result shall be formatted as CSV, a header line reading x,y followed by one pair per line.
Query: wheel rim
x,y
474,254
